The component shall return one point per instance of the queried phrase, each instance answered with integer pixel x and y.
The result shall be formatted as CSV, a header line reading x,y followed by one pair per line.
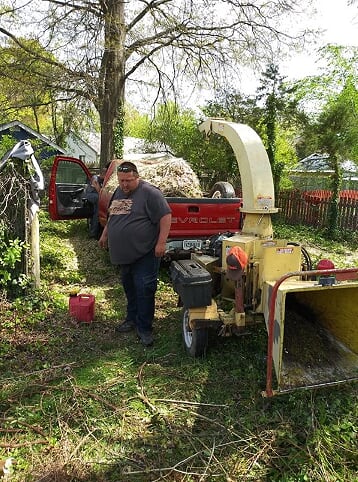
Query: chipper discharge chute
x,y
311,316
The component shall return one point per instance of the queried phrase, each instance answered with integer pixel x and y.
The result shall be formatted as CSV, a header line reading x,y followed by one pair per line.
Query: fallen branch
x,y
10,430
10,445
260,452
212,451
36,372
78,446
174,468
186,402
142,395
33,428
100,399
207,419
20,422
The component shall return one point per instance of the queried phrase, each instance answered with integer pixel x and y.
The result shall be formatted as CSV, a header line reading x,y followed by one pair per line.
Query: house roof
x,y
130,144
90,145
33,133
317,162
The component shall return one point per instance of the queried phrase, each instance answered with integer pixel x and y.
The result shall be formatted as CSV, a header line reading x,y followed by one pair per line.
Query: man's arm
x,y
103,240
164,228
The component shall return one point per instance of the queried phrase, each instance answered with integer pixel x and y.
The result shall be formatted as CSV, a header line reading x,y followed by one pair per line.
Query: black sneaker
x,y
146,339
125,327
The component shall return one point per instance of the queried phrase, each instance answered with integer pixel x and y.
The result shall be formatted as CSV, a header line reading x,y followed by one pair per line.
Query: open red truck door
x,y
69,181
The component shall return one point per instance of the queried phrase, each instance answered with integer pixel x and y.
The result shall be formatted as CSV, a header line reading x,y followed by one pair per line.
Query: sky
x,y
339,23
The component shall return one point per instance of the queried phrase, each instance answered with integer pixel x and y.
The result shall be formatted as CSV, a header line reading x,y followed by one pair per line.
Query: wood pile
x,y
172,175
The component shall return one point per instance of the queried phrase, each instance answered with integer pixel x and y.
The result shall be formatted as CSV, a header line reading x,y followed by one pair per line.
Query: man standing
x,y
136,232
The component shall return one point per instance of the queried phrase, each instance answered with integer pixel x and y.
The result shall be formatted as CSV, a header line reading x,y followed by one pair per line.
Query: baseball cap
x,y
236,261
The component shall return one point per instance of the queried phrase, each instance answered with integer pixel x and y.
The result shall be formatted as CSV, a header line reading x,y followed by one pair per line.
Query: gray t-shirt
x,y
133,223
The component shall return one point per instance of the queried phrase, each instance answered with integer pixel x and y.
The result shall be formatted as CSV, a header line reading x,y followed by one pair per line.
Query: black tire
x,y
222,189
195,341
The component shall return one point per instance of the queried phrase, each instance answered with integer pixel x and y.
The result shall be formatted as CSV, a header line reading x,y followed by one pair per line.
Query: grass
x,y
80,404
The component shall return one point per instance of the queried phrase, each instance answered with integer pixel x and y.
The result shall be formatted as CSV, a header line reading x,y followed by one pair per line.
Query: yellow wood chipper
x,y
311,315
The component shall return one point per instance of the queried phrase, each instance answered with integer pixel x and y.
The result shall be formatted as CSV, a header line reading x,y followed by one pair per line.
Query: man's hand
x,y
103,240
164,227
159,250
95,184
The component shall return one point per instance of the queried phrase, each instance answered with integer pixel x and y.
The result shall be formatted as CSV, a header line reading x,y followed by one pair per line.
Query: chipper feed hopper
x,y
311,316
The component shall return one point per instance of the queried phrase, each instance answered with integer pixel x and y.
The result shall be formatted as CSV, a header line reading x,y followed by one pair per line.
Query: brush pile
x,y
172,175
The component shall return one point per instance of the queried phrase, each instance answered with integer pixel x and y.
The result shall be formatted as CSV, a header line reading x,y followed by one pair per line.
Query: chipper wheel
x,y
195,341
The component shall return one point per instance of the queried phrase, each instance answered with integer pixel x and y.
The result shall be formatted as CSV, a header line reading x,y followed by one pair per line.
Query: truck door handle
x,y
193,209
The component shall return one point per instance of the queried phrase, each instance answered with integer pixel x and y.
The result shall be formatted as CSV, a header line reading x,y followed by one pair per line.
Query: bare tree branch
x,y
97,48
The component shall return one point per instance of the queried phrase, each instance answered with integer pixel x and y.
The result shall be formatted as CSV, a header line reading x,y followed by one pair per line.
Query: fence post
x,y
35,249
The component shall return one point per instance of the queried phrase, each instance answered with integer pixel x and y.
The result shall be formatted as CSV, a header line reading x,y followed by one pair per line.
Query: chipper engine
x,y
311,315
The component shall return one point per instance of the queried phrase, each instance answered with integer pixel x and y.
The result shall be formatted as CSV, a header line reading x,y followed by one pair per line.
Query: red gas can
x,y
82,307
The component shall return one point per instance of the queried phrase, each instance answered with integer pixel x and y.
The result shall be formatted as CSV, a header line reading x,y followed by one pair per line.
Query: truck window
x,y
70,173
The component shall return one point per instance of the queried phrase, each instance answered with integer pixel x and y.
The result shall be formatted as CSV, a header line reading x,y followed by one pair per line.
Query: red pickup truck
x,y
194,220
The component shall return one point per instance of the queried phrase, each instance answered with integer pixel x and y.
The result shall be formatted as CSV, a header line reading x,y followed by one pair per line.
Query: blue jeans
x,y
140,281
92,198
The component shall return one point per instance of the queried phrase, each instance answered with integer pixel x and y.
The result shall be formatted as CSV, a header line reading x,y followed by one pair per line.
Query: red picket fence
x,y
312,207
324,194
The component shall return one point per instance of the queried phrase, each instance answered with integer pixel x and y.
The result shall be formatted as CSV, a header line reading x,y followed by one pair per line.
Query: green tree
x,y
315,92
332,97
280,120
26,104
100,49
27,96
231,105
136,123
281,117
172,128
175,130
337,134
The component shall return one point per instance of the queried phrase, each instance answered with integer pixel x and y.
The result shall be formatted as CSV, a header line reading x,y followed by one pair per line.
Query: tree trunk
x,y
336,188
112,78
